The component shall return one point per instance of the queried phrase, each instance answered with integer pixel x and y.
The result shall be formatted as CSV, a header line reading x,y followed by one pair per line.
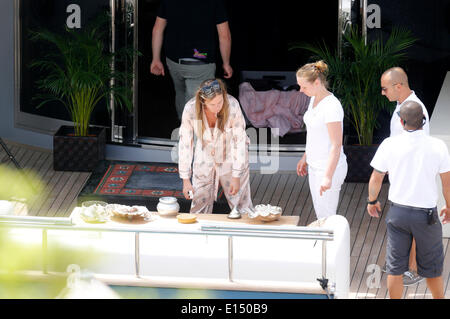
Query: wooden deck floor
x,y
285,189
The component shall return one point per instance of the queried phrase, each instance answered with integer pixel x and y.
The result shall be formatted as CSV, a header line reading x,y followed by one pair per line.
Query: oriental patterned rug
x,y
139,183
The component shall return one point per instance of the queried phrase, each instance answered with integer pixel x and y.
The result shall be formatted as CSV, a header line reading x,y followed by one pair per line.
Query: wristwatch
x,y
373,202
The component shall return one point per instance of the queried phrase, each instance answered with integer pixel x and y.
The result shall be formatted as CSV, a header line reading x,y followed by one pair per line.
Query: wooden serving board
x,y
244,220
283,220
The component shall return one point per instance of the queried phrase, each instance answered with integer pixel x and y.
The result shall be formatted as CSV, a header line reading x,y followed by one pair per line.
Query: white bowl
x,y
94,212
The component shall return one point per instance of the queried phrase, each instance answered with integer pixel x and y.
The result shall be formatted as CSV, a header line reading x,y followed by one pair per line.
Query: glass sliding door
x,y
261,42
261,32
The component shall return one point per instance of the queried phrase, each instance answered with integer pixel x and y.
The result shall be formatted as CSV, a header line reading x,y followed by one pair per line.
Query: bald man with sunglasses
x,y
395,86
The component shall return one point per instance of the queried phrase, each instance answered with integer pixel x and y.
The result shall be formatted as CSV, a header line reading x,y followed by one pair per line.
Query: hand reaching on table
x,y
187,187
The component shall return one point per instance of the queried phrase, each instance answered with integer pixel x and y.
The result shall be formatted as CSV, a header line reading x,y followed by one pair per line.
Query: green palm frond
x,y
78,72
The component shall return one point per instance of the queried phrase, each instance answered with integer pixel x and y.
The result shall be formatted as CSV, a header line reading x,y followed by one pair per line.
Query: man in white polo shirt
x,y
395,86
413,160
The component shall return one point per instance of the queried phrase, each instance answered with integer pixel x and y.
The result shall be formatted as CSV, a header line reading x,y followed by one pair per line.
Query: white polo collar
x,y
408,98
414,133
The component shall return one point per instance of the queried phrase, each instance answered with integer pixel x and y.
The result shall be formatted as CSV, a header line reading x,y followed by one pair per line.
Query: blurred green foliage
x,y
21,184
22,257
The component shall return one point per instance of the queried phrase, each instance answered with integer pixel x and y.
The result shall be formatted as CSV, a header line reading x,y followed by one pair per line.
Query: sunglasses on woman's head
x,y
211,89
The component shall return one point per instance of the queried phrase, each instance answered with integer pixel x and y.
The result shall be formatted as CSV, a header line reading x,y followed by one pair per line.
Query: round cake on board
x,y
186,218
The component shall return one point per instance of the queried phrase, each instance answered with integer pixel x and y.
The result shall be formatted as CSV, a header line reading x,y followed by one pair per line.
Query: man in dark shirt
x,y
188,31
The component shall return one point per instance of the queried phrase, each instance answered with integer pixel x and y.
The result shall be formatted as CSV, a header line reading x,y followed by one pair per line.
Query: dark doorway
x,y
156,96
262,31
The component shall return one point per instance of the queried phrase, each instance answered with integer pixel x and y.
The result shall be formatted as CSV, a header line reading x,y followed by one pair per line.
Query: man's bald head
x,y
412,113
396,75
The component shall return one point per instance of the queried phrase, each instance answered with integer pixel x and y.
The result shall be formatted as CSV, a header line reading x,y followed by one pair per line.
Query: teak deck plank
x,y
295,196
286,194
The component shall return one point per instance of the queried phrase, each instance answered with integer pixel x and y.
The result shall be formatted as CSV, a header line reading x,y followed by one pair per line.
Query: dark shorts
x,y
402,225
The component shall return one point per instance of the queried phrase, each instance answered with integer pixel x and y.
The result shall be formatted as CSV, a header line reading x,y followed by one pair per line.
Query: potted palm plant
x,y
78,72
354,77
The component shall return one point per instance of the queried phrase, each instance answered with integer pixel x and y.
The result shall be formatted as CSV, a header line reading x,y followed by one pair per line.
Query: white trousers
x,y
326,205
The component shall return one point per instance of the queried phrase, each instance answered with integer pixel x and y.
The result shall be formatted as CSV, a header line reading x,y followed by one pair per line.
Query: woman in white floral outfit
x,y
213,122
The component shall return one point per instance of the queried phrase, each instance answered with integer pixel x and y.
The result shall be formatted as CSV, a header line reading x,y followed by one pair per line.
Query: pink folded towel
x,y
275,109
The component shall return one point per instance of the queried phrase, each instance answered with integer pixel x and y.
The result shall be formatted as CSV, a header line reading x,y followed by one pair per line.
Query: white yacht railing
x,y
65,223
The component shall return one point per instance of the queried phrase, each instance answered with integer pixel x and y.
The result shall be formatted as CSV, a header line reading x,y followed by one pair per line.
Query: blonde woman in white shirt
x,y
324,160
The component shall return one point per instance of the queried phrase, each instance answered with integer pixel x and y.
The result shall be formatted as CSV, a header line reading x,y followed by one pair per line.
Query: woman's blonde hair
x,y
207,90
314,71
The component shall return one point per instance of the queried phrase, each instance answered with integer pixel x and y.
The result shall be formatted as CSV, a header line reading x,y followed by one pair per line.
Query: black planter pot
x,y
78,153
358,160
